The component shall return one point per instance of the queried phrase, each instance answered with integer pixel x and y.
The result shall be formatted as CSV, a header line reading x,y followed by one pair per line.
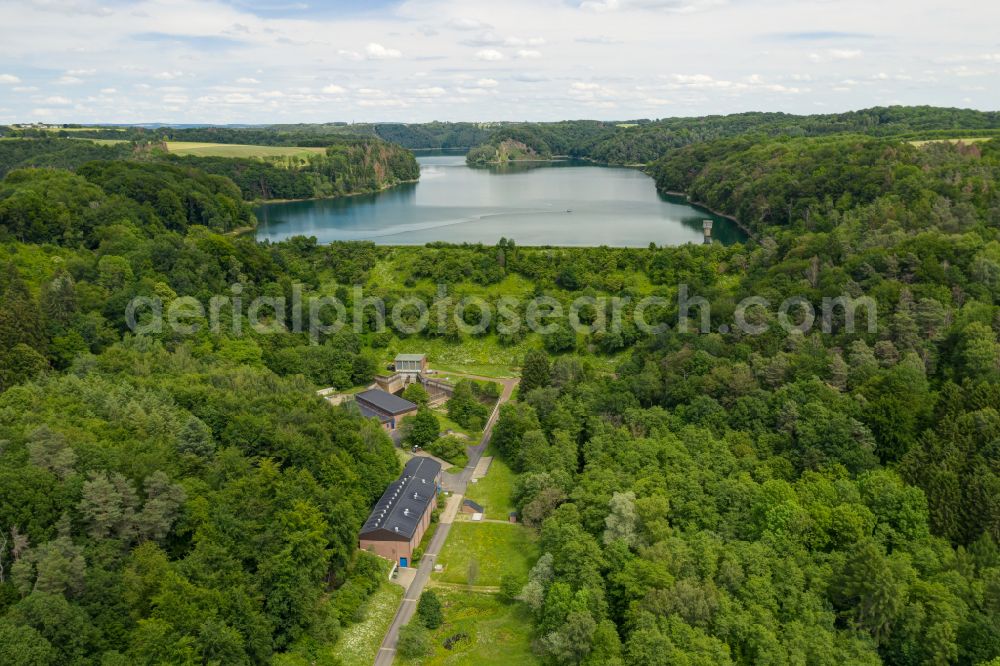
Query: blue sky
x,y
248,61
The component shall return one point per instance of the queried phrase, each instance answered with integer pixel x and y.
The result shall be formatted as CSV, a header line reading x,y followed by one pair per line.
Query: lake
x,y
542,203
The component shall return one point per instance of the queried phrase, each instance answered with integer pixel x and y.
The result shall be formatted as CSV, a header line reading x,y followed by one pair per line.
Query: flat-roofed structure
x,y
403,513
411,363
389,409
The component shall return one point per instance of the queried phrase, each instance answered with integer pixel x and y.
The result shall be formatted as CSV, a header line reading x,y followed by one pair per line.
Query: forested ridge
x,y
642,141
407,135
348,166
825,498
352,167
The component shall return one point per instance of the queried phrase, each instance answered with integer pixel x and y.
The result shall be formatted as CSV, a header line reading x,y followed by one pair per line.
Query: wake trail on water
x,y
364,234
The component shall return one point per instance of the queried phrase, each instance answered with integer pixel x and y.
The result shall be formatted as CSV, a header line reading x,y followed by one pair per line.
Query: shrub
x,y
414,640
450,448
429,610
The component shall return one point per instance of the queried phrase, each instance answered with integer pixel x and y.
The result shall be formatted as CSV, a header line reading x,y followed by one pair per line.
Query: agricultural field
x,y
240,150
971,139
498,549
494,491
496,634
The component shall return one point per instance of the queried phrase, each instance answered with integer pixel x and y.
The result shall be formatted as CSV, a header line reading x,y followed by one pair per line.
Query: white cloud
x,y
382,102
378,52
670,6
836,54
57,100
466,24
598,39
530,41
488,38
432,91
273,66
845,54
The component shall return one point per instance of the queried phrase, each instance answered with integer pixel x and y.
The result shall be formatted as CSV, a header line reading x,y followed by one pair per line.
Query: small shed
x,y
469,506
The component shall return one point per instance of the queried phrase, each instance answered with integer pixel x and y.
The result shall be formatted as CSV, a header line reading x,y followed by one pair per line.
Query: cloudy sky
x,y
243,61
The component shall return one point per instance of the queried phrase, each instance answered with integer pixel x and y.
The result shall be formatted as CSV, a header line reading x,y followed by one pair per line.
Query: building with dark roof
x,y
469,506
389,409
403,513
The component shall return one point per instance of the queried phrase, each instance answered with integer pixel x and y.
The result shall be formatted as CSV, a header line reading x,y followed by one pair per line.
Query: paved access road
x,y
456,484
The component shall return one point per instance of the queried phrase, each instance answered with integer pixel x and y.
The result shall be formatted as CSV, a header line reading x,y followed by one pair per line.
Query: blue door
x,y
402,561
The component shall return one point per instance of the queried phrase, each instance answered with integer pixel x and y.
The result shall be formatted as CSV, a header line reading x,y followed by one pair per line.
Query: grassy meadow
x,y
494,491
360,642
496,634
499,549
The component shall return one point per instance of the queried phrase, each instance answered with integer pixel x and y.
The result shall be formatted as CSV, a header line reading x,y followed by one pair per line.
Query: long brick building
x,y
402,515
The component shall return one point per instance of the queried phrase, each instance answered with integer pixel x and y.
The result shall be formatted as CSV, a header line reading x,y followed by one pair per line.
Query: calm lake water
x,y
560,203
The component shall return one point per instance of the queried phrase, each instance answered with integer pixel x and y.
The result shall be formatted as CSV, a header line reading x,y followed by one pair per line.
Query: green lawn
x,y
360,642
500,549
497,634
494,490
239,150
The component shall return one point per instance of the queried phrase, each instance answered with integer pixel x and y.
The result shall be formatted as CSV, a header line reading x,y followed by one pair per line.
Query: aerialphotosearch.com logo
x,y
410,315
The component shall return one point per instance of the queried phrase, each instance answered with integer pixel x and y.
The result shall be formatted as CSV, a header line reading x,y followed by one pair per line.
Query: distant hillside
x,y
642,141
413,136
351,165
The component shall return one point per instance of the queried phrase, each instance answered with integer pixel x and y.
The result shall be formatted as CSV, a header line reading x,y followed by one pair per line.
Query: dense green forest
x,y
823,497
352,166
349,166
165,500
640,142
820,498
